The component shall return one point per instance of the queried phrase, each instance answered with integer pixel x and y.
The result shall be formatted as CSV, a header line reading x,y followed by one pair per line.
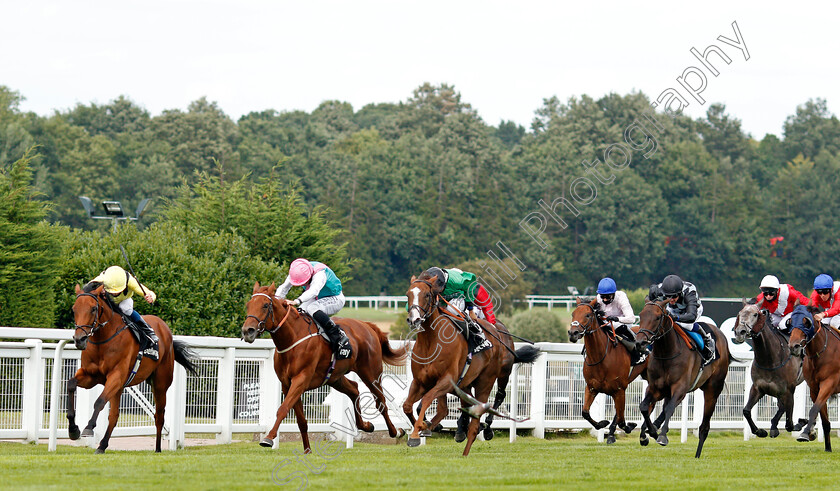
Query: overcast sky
x,y
503,57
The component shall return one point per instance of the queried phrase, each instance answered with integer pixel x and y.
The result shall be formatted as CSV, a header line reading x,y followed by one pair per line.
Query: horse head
x,y
88,311
585,319
261,312
803,328
423,294
750,322
654,322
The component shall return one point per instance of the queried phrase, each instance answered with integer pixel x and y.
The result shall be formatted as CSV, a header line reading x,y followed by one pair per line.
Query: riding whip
x,y
125,256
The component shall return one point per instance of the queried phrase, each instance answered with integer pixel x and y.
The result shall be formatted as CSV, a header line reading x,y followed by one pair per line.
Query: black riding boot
x,y
145,336
627,338
339,342
708,348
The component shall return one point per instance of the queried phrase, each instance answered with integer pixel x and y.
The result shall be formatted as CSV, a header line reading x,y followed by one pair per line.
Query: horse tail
x,y
391,356
733,358
526,354
185,356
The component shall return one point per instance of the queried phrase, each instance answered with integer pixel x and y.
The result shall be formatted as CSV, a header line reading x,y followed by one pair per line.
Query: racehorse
x,y
674,370
606,366
302,364
821,344
440,359
774,371
109,352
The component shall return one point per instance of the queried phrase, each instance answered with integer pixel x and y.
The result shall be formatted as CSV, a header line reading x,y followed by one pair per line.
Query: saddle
x,y
475,343
697,340
344,351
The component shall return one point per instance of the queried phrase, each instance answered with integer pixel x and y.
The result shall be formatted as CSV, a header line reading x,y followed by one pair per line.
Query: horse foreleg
x,y
668,411
441,412
482,393
414,393
113,415
647,427
296,389
160,407
497,403
826,424
820,399
588,397
752,400
440,388
381,405
786,401
774,421
303,426
113,386
351,390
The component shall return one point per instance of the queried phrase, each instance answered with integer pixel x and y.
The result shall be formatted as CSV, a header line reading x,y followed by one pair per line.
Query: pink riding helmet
x,y
300,272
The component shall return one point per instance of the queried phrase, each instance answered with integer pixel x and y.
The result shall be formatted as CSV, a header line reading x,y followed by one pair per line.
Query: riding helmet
x,y
823,281
606,286
672,285
300,272
769,281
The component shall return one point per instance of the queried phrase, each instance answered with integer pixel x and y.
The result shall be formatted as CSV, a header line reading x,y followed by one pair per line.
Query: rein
x,y
658,334
96,326
262,322
753,334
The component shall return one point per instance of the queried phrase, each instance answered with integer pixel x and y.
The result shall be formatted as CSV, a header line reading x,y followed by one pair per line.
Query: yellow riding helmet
x,y
114,279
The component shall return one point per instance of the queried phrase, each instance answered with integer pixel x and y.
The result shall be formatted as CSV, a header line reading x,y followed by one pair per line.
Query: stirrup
x,y
152,353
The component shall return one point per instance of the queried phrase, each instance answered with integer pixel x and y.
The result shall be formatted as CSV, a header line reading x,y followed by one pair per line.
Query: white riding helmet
x,y
770,281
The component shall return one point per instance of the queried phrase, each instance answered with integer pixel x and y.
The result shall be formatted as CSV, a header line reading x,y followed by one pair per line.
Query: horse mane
x,y
91,286
435,274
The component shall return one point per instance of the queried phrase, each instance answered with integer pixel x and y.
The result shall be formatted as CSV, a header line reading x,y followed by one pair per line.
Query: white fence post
x,y
514,400
598,411
176,405
684,415
538,385
33,388
224,408
747,387
55,383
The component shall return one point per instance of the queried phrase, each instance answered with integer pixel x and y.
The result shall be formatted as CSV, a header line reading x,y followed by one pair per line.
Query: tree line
x,y
390,189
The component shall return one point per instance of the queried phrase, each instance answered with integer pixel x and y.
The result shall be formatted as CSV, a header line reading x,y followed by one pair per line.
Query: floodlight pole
x,y
87,203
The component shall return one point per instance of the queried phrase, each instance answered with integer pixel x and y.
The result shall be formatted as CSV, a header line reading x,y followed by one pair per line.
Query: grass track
x,y
569,463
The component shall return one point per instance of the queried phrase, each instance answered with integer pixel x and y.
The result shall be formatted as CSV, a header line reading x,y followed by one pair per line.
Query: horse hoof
x,y
662,440
761,433
644,442
438,428
812,436
460,436
488,434
87,432
803,437
400,433
790,428
602,424
629,427
100,450
413,442
774,432
74,433
426,433
610,439
267,442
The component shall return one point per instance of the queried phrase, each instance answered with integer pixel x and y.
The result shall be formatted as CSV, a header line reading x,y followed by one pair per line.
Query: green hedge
x,y
538,325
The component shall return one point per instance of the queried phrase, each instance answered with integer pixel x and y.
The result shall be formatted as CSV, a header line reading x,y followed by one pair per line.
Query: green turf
x,y
372,315
529,463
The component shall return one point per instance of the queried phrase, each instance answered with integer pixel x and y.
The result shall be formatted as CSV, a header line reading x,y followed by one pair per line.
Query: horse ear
x,y
743,302
78,289
578,300
256,286
412,279
272,288
594,301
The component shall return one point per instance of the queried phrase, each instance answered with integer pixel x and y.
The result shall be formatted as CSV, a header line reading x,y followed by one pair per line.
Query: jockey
x,y
826,295
121,285
616,307
462,292
322,298
685,308
779,300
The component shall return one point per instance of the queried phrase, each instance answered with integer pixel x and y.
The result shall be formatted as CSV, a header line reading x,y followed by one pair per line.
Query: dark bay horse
x,y
606,366
821,346
303,364
674,370
440,360
109,352
774,371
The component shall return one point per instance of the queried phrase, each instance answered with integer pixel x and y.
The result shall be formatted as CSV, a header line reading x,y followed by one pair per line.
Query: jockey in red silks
x,y
826,295
779,299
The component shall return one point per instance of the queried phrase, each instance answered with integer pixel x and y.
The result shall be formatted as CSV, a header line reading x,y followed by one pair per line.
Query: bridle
x,y
261,323
96,311
658,333
752,333
432,304
810,338
592,326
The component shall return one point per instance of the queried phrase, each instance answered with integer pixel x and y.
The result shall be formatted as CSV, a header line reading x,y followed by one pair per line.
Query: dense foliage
x,y
387,190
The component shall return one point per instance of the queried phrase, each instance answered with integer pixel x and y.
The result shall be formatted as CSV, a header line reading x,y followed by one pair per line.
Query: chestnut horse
x,y
821,344
439,359
674,370
606,366
774,370
109,352
302,363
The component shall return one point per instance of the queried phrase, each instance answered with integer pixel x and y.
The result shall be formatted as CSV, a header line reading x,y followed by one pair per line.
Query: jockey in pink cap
x,y
322,298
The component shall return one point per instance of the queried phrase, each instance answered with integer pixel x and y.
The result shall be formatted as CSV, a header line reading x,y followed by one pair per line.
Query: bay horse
x,y
440,359
774,372
109,352
606,366
302,364
821,346
674,370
